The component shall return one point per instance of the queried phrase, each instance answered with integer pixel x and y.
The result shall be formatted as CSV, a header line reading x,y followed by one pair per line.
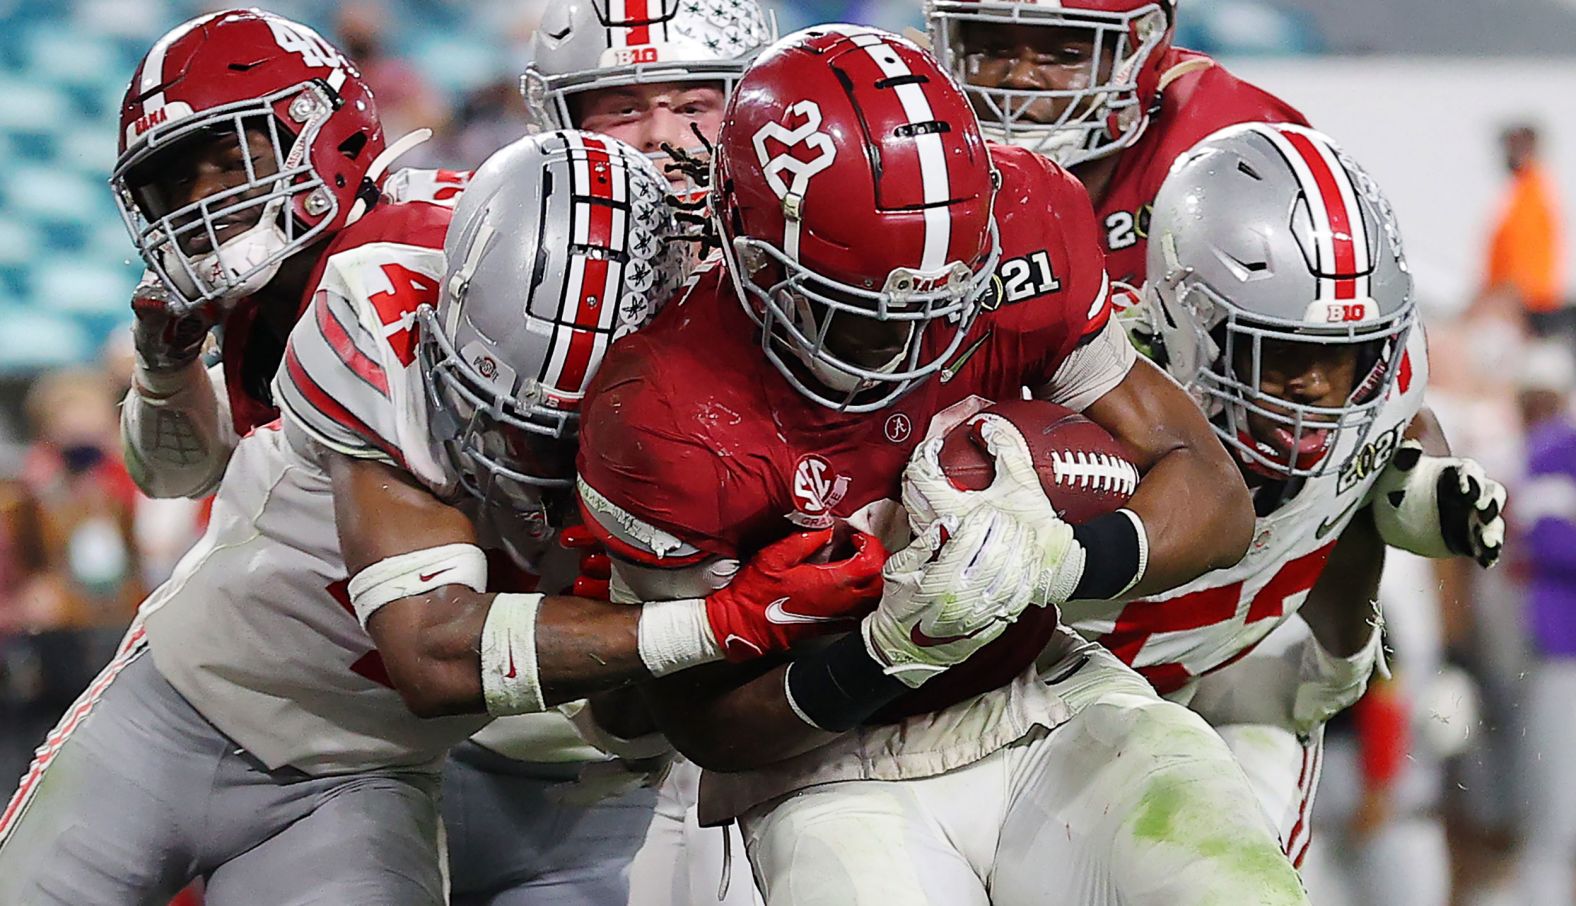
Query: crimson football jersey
x,y
691,432
1200,99
251,357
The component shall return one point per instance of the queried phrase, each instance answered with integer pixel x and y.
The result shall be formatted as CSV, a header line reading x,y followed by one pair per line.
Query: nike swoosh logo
x,y
512,672
956,365
428,577
1328,524
731,639
918,637
776,613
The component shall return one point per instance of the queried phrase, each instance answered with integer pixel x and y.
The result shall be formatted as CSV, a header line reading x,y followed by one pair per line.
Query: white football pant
x,y
1134,801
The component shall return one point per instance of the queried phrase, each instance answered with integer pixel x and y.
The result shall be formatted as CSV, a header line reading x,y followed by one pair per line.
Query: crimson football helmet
x,y
1106,113
852,189
231,73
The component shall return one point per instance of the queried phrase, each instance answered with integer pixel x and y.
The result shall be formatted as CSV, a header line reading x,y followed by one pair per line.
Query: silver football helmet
x,y
585,45
559,246
1272,233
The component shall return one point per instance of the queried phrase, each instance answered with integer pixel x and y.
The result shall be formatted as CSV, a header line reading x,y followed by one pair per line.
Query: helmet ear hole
x,y
352,147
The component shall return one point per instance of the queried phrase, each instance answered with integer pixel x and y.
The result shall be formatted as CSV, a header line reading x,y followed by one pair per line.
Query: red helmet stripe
x,y
936,184
1336,213
635,11
1339,229
588,308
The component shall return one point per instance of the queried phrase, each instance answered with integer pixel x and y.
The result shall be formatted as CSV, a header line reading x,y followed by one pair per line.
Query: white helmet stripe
x,y
936,185
1357,226
153,64
1340,236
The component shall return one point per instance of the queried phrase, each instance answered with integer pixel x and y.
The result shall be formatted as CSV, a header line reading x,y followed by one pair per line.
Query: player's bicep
x,y
382,511
1092,370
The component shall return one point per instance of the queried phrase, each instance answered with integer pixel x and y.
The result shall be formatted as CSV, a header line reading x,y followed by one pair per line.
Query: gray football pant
x,y
144,795
513,842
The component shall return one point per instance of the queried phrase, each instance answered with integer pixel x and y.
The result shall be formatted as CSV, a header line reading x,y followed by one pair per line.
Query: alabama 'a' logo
x,y
815,492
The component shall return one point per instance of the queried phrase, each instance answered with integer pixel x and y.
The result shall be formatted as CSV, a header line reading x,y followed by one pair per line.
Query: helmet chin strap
x,y
381,163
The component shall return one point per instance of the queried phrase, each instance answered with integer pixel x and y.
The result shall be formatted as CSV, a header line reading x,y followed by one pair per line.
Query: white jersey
x,y
1174,637
255,627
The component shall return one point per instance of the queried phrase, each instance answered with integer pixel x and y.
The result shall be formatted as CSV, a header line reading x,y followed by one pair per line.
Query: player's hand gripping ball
x,y
1038,462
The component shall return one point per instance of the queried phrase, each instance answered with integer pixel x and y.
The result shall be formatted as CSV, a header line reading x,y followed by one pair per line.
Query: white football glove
x,y
937,609
1438,506
929,495
1329,685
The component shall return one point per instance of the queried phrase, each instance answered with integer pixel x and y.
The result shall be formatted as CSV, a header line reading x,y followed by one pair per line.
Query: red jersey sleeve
x,y
1048,224
1204,99
652,491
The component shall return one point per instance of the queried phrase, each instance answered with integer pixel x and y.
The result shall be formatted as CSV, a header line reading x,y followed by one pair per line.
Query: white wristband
x,y
1143,549
675,635
510,681
409,574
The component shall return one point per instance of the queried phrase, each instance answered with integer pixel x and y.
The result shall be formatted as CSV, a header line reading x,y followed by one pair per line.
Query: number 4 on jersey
x,y
396,307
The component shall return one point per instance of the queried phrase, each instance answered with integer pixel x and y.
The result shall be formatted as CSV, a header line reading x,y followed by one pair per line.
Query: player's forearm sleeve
x,y
1093,369
176,433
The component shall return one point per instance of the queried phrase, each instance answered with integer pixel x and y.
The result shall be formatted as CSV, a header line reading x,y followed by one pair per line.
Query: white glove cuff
x,y
510,682
158,387
1413,524
1341,671
403,575
675,635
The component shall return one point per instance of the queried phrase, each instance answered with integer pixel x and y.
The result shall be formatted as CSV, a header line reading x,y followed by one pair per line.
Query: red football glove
x,y
784,596
166,341
595,567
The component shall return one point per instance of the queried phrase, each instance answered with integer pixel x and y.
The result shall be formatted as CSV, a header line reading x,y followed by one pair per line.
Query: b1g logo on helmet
x,y
809,135
816,491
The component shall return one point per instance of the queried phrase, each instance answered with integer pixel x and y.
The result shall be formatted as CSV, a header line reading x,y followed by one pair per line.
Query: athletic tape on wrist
x,y
403,575
1116,549
510,681
167,387
675,635
839,686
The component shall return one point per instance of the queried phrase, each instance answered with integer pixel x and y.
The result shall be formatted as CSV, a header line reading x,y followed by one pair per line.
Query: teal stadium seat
x,y
66,285
19,243
52,192
34,340
71,56
27,104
